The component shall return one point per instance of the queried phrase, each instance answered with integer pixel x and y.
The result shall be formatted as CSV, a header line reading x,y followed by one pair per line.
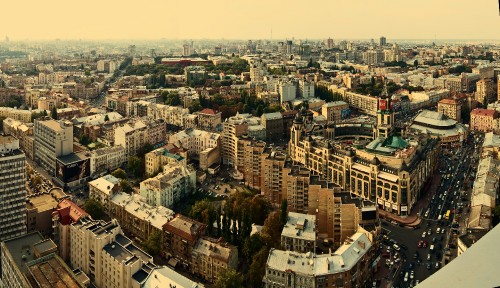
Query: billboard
x,y
69,172
382,104
345,113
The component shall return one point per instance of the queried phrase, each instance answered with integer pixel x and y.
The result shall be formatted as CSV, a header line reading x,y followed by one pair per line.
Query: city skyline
x,y
114,20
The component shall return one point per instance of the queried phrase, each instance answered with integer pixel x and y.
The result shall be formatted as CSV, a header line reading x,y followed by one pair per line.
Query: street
x,y
423,250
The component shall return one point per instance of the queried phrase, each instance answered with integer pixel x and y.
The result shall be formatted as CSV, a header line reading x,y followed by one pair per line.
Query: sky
x,y
251,19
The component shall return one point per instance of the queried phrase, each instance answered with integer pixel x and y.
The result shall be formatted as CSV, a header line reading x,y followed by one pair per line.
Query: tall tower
x,y
385,116
12,190
383,41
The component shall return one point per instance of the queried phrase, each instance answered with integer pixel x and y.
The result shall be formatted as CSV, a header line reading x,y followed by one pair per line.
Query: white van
x,y
439,217
406,277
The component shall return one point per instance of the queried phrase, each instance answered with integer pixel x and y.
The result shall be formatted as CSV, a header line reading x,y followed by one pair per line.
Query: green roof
x,y
395,142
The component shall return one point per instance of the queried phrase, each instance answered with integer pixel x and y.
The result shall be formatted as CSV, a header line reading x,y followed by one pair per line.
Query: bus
x,y
447,216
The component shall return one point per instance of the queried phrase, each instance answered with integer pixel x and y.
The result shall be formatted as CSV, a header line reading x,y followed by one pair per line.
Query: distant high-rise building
x,y
131,50
186,50
289,45
217,50
12,190
383,41
329,43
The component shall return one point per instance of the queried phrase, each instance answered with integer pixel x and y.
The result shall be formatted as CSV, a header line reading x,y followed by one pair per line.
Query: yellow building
x,y
483,119
451,108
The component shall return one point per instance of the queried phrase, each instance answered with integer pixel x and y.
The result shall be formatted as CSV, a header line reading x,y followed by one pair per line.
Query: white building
x,y
167,188
287,91
306,89
106,159
104,188
52,139
299,233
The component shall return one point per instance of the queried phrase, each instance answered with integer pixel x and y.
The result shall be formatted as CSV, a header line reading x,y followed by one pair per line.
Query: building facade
x,y
13,188
451,108
483,120
52,139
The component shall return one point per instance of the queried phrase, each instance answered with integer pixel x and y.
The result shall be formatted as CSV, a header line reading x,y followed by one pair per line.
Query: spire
x,y
384,94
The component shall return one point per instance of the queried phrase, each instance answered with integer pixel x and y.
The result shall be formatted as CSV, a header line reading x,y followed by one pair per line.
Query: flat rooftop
x,y
21,249
53,273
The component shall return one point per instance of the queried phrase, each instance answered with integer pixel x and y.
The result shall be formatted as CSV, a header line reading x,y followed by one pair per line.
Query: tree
x,y
415,63
94,208
53,113
229,279
152,244
37,180
252,245
284,214
173,99
126,187
272,230
106,118
136,166
258,267
119,173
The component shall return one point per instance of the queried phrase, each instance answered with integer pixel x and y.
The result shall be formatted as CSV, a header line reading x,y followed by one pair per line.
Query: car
x,y
412,274
434,239
424,234
442,231
415,256
429,232
438,230
428,266
437,265
424,244
420,244
428,256
411,266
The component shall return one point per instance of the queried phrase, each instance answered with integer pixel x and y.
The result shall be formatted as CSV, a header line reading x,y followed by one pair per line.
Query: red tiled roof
x,y
208,111
448,101
69,212
483,112
185,228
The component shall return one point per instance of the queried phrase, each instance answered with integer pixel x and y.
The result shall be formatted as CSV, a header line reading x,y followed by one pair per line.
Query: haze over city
x,y
340,19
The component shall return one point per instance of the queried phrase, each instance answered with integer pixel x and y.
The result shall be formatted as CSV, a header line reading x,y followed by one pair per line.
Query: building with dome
x,y
373,162
436,124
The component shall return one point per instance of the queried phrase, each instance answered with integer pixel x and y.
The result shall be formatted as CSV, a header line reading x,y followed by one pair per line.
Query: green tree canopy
x,y
94,208
119,173
152,244
126,187
229,279
136,166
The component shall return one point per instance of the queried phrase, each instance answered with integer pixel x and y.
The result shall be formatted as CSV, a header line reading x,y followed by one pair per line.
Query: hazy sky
x,y
251,19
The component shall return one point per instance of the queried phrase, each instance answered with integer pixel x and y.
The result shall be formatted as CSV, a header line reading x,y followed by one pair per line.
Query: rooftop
x,y
105,183
483,112
208,111
21,249
434,118
300,226
51,271
491,140
45,201
136,205
167,277
185,227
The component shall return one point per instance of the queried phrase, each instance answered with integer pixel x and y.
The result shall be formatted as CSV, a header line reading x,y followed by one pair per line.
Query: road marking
x,y
389,231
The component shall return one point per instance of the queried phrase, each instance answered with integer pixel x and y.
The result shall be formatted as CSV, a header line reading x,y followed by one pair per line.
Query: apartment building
x,y
167,188
273,123
39,209
157,159
201,145
101,251
271,174
484,72
450,108
332,111
484,91
253,150
349,266
209,119
135,134
180,236
306,89
65,214
13,188
235,127
299,233
103,189
16,114
136,217
211,257
52,139
483,120
23,132
363,103
287,91
173,115
269,97
106,159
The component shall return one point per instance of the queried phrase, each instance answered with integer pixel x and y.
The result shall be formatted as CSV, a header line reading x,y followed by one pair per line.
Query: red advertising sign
x,y
382,104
